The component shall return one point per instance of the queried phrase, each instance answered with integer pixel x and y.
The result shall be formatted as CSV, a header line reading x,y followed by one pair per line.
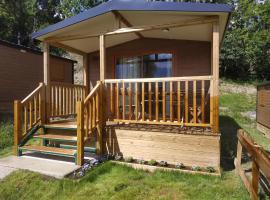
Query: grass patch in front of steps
x,y
113,181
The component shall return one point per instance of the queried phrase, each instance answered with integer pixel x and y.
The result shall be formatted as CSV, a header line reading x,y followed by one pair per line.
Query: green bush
x,y
6,135
152,162
210,169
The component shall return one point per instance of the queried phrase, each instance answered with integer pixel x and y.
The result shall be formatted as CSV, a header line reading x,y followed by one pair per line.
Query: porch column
x,y
102,56
102,103
86,81
47,78
215,73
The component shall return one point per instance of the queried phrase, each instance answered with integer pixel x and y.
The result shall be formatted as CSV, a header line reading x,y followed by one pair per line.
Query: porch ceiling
x,y
109,21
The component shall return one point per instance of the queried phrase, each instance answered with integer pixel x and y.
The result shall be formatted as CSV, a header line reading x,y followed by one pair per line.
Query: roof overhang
x,y
124,20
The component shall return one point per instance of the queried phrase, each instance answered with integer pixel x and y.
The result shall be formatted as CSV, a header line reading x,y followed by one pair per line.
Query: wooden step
x,y
69,125
49,150
57,137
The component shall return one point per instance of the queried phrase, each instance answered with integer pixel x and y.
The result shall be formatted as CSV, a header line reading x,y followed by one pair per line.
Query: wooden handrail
x,y
93,91
89,120
143,80
28,113
260,163
32,94
66,84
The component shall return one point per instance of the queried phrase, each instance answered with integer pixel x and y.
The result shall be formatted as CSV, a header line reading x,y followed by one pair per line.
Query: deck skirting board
x,y
191,150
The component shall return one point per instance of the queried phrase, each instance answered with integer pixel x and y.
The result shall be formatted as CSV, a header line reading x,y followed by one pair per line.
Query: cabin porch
x,y
138,116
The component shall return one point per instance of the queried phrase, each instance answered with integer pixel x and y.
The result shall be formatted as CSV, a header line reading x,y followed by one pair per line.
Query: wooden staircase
x,y
58,139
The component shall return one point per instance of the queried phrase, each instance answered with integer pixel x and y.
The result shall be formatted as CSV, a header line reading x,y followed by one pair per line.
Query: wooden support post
x,y
215,73
101,96
100,125
17,126
102,52
47,78
86,81
80,132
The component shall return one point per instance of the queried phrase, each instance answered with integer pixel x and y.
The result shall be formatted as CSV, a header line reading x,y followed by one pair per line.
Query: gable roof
x,y
134,5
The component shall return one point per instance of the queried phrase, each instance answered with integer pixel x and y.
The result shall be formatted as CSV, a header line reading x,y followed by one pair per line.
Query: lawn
x,y
111,181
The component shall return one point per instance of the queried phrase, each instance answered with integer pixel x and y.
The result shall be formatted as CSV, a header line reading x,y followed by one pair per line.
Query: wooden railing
x,y
63,98
88,119
260,163
28,113
177,100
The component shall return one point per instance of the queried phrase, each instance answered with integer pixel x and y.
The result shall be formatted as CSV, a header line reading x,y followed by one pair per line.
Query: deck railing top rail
x,y
143,80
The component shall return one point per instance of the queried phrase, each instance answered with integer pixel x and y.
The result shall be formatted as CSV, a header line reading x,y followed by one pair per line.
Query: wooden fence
x,y
176,100
260,163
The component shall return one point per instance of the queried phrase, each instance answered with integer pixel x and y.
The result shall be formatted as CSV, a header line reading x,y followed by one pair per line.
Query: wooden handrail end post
x,y
80,133
17,125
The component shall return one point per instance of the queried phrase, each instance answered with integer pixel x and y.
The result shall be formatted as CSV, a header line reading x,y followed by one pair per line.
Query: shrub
x,y
210,169
179,166
141,161
163,163
128,159
152,162
6,135
196,168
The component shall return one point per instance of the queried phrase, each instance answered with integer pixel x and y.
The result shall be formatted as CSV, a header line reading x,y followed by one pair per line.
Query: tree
x,y
246,49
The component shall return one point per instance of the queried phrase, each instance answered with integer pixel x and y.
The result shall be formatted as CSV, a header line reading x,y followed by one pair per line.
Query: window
x,y
146,66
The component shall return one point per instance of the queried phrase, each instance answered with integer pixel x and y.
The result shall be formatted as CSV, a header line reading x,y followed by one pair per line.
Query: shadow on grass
x,y
228,128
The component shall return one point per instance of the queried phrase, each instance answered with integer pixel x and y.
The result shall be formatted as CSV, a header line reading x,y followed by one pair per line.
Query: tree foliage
x,y
246,48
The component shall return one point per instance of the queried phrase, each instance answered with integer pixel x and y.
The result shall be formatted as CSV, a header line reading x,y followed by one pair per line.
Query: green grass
x,y
111,181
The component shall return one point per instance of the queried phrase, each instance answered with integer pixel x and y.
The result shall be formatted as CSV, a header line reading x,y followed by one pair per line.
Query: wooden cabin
x,y
151,84
263,108
21,69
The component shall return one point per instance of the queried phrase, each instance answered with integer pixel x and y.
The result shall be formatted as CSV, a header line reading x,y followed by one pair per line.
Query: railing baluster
x,y
35,109
194,102
123,101
52,100
136,101
94,111
111,97
129,101
30,113
203,102
186,102
25,119
157,102
117,100
64,101
179,101
143,103
67,101
164,101
150,100
171,101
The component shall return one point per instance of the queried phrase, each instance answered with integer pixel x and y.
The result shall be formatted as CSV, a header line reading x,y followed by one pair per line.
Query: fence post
x,y
17,125
80,132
